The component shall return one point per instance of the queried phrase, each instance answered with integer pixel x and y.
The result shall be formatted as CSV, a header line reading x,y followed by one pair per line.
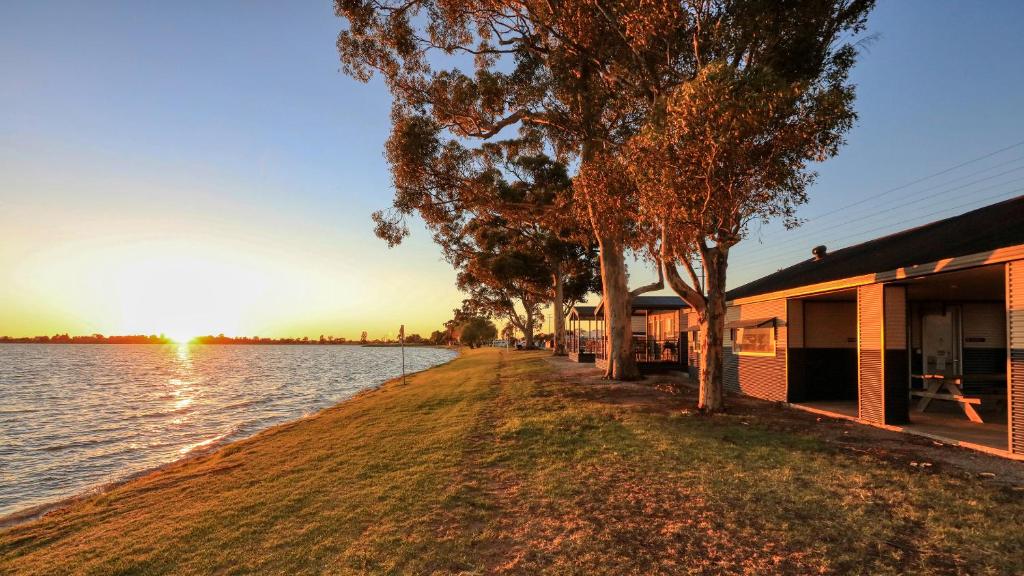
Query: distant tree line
x,y
90,339
437,338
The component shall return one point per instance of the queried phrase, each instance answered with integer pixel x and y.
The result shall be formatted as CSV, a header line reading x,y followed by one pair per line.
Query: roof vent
x,y
819,252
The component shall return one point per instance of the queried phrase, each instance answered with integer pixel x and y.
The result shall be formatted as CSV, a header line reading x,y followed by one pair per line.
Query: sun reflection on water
x,y
182,389
184,350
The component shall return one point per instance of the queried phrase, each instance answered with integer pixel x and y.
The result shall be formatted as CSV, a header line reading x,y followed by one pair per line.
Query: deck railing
x,y
664,350
585,344
647,349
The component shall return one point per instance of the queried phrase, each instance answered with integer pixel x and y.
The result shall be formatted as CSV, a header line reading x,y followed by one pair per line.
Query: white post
x,y
401,339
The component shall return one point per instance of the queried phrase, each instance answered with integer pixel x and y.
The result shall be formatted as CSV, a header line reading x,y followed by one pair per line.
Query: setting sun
x,y
181,337
182,291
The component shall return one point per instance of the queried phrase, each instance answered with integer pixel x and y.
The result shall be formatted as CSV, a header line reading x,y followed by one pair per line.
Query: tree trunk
x,y
711,397
558,344
617,311
528,335
528,329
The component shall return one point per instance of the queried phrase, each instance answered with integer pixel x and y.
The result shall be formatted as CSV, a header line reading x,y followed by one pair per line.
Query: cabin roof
x,y
989,228
651,303
585,312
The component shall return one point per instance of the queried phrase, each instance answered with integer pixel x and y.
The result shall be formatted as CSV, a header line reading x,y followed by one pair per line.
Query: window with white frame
x,y
754,341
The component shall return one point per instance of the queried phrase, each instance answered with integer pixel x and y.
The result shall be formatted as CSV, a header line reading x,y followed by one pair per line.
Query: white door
x,y
940,341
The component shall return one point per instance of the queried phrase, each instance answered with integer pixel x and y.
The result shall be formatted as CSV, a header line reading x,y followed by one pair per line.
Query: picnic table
x,y
935,383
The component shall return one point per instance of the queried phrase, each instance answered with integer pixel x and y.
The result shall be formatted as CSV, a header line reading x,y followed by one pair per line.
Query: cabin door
x,y
941,342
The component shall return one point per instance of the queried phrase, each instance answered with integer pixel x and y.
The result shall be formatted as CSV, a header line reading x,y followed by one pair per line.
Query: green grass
x,y
495,463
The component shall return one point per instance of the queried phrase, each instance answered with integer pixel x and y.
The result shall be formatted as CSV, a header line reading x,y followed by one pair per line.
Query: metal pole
x,y
402,340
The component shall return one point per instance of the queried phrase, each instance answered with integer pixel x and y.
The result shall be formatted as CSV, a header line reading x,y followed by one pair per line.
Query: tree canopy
x,y
685,120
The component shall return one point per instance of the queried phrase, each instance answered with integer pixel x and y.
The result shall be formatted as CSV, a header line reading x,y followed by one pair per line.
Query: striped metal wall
x,y
830,324
1015,360
984,325
688,321
870,371
896,357
895,305
795,323
758,376
639,323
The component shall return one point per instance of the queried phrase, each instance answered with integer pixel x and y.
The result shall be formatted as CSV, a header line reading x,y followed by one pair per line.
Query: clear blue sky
x,y
207,166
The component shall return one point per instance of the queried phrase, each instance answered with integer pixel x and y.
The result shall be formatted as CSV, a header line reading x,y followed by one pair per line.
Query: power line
x,y
804,233
825,215
792,253
923,179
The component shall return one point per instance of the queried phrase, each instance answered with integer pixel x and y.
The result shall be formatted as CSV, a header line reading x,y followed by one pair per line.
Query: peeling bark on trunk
x,y
617,301
558,345
711,397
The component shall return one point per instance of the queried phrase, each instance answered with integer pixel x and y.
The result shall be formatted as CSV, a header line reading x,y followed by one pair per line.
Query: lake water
x,y
74,417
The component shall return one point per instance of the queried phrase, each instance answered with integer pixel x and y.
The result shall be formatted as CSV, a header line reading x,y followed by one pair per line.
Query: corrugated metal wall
x,y
1015,338
896,358
883,376
639,324
689,320
830,324
758,376
895,317
984,337
870,375
663,325
984,325
795,323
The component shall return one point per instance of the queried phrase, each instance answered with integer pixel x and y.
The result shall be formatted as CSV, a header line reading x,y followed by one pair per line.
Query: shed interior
x,y
823,351
958,351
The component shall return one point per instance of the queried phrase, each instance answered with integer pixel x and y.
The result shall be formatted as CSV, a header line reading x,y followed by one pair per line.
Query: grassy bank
x,y
499,463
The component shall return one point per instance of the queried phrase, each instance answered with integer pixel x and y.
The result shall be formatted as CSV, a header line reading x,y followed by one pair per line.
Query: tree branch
x,y
652,286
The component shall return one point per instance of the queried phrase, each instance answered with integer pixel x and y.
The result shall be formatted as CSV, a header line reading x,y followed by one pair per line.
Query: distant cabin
x,y
660,340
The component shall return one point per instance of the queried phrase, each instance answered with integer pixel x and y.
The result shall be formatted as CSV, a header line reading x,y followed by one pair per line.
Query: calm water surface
x,y
74,417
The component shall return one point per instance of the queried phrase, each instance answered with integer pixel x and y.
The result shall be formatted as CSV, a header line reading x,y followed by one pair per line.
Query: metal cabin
x,y
922,330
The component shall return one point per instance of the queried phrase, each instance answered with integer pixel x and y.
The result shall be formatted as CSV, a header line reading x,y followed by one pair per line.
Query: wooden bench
x,y
954,392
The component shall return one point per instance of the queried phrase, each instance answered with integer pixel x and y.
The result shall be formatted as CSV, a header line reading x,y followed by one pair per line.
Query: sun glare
x,y
183,291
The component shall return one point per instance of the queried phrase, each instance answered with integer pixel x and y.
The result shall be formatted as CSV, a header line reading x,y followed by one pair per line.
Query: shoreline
x,y
38,511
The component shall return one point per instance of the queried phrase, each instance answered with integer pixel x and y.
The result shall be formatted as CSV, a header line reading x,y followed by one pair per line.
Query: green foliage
x,y
477,331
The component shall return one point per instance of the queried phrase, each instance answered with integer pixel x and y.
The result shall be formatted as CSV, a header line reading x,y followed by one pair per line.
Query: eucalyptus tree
x,y
488,208
769,94
530,213
506,276
575,78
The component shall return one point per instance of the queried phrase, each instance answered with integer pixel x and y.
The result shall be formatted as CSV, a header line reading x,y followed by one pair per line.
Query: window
x,y
755,341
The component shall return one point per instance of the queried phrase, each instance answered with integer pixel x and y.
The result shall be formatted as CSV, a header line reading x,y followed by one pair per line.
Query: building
x,y
582,336
659,333
922,330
